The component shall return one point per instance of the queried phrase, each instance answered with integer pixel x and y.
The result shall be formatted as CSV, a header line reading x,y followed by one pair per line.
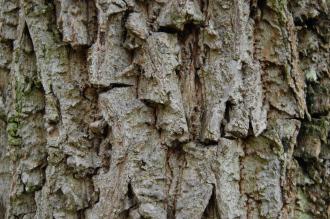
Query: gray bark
x,y
164,109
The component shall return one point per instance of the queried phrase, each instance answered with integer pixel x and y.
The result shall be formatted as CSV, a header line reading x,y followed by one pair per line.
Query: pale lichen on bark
x,y
164,109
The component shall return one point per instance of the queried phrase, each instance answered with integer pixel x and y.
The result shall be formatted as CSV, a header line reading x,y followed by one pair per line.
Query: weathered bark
x,y
164,109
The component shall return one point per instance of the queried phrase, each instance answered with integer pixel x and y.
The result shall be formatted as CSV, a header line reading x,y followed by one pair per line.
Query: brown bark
x,y
164,109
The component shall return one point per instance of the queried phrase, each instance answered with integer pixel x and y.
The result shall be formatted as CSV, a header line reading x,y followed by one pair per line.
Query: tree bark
x,y
164,109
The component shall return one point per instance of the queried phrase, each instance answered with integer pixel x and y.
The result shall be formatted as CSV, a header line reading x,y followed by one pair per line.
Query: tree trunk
x,y
164,109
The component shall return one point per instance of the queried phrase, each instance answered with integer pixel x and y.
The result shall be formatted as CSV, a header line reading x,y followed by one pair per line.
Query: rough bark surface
x,y
164,109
